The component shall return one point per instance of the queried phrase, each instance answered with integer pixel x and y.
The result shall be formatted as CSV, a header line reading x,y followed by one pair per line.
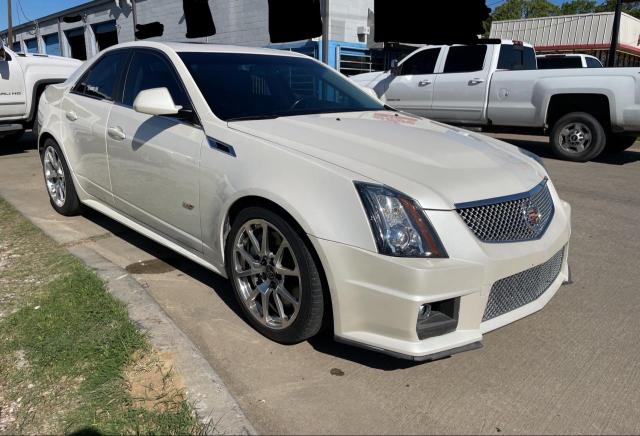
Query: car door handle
x,y
116,133
72,116
476,81
424,82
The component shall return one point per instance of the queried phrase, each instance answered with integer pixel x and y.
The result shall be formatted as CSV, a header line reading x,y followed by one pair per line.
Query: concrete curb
x,y
205,388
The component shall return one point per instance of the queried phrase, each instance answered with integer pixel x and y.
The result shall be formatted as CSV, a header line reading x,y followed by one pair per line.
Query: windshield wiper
x,y
253,118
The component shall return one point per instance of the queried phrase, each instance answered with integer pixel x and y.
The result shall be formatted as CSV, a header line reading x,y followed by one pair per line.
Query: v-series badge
x,y
10,94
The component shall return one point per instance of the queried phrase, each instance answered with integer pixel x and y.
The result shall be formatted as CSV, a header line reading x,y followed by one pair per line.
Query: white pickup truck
x,y
23,78
496,85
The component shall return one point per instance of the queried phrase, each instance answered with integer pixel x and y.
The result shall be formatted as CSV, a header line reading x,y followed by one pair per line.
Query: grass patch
x,y
70,358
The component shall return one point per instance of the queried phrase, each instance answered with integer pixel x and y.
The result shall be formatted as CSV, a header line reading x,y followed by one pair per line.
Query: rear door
x,y
154,161
12,94
86,111
412,88
460,91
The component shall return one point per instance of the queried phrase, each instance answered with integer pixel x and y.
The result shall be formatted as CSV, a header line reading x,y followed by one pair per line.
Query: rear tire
x,y
58,181
617,143
578,137
279,274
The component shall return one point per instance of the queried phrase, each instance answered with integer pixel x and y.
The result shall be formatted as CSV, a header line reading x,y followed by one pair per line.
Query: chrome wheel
x,y
54,176
575,137
267,275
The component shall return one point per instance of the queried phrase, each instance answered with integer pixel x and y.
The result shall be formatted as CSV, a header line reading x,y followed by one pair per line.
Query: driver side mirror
x,y
395,68
156,101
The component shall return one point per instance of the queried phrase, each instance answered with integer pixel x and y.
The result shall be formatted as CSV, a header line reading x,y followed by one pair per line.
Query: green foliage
x,y
632,8
518,9
65,344
575,7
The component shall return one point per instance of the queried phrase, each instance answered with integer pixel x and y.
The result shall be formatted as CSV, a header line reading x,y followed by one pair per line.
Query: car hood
x,y
437,165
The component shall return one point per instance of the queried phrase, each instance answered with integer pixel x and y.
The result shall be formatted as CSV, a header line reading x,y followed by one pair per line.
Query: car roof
x,y
183,47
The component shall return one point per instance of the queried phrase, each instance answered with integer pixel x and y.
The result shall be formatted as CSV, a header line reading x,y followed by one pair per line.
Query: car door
x,y
154,160
86,111
411,88
460,91
13,101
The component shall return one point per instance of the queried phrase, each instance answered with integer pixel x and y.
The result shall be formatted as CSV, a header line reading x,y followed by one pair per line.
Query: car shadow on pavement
x,y
323,343
219,284
326,344
543,149
24,144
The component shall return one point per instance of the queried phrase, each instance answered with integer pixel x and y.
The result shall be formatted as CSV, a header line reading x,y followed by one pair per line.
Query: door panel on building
x,y
77,44
411,89
460,90
154,160
86,111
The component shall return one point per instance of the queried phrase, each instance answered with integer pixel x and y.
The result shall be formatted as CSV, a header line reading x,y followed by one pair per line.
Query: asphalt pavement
x,y
573,367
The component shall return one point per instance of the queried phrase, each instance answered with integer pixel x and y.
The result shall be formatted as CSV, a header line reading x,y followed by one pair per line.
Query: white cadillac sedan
x,y
322,206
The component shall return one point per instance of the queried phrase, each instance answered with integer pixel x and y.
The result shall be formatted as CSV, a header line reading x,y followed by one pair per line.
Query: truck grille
x,y
517,218
520,289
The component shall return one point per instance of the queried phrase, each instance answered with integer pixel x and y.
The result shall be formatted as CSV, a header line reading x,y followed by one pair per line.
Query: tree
x,y
518,9
632,8
575,7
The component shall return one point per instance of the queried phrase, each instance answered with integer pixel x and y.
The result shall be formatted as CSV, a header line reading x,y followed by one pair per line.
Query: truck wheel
x,y
578,137
617,143
62,192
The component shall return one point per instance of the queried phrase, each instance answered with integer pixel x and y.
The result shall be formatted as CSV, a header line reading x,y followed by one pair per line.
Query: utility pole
x,y
10,25
134,15
325,32
615,35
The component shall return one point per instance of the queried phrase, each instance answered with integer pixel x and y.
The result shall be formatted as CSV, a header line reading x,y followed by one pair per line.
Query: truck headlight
x,y
399,225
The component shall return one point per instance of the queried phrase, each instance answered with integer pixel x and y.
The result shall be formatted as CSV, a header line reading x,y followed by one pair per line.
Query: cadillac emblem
x,y
532,216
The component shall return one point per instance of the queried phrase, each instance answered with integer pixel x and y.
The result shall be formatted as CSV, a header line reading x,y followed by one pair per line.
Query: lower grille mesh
x,y
520,289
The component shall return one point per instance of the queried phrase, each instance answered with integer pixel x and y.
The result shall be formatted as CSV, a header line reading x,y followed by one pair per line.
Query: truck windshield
x,y
246,86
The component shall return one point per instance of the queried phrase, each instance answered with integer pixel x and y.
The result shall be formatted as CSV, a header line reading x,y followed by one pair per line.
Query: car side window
x,y
465,59
593,63
149,70
423,62
102,78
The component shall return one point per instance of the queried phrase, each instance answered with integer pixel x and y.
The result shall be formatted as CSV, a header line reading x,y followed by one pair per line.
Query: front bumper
x,y
376,298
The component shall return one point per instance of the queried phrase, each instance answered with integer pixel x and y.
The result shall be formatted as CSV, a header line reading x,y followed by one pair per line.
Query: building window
x,y
77,45
106,34
32,45
52,44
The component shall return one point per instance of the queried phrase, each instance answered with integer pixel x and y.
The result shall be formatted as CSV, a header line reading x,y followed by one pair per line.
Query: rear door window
x,y
102,79
423,62
465,59
593,63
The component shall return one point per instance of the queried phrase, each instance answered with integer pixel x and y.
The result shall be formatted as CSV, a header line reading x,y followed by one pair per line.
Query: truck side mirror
x,y
3,53
395,68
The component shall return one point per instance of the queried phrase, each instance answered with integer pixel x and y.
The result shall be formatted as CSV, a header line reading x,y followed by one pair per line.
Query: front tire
x,y
578,137
274,276
57,177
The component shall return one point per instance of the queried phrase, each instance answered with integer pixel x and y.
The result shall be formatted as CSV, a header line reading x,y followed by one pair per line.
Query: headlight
x,y
533,156
399,225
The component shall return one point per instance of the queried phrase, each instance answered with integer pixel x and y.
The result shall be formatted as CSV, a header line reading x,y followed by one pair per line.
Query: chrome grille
x,y
520,289
520,217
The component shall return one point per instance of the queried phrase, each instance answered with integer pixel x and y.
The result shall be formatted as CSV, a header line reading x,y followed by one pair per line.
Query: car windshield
x,y
248,86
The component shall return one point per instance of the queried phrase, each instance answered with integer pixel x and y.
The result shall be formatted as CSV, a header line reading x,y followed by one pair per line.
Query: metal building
x,y
81,32
587,33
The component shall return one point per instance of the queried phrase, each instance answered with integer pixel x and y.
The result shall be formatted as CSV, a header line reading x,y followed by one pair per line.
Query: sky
x,y
27,10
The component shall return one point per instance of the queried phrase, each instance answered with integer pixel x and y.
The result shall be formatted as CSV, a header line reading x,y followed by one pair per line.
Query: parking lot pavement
x,y
571,368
